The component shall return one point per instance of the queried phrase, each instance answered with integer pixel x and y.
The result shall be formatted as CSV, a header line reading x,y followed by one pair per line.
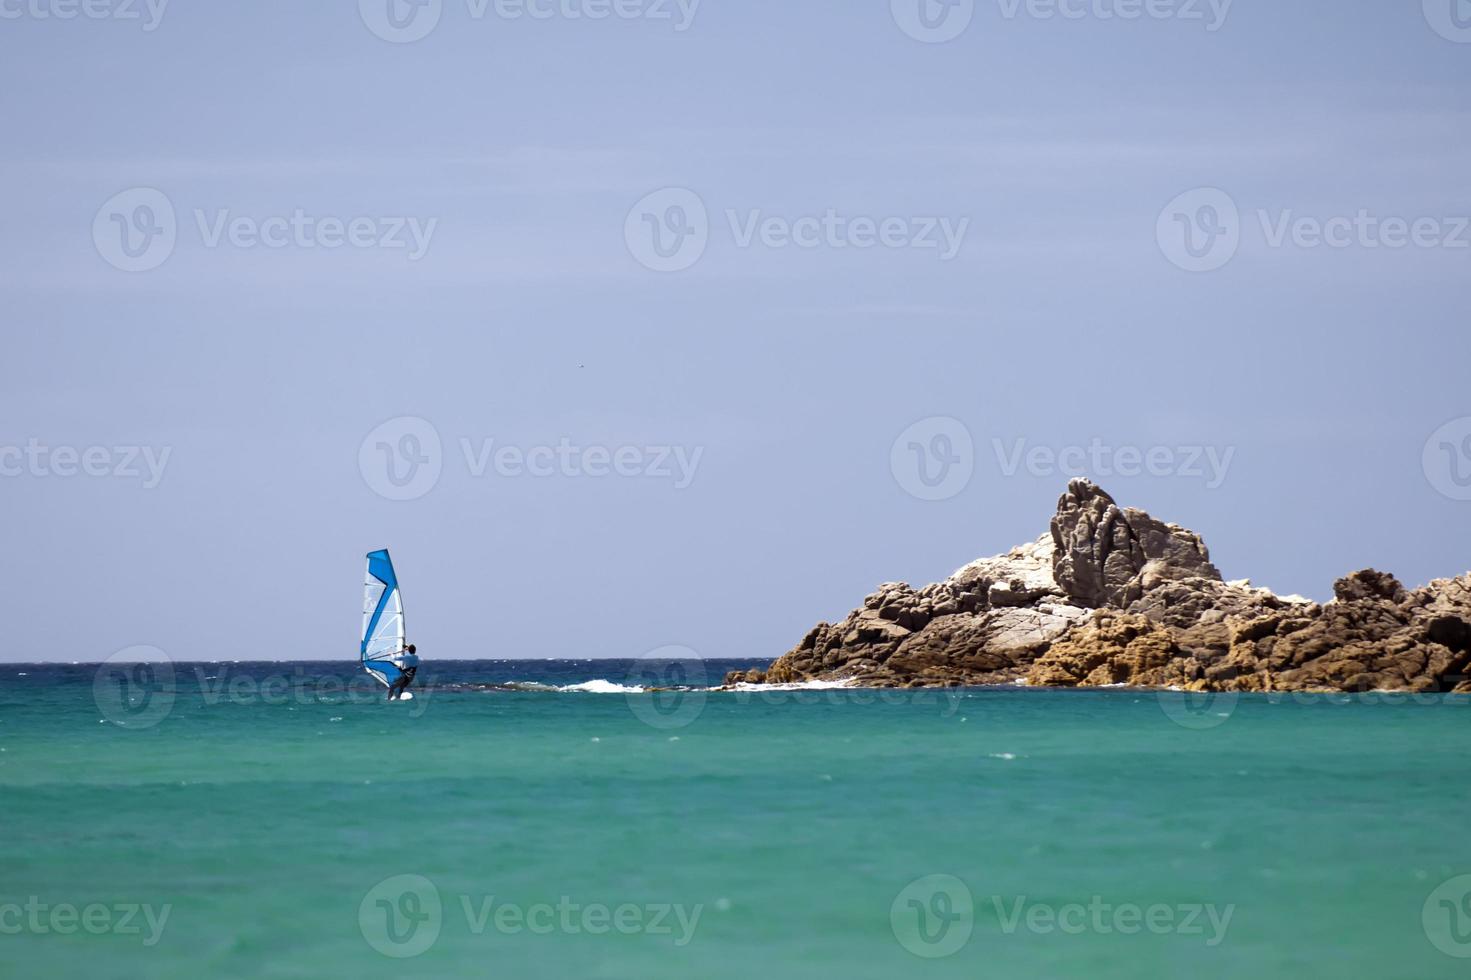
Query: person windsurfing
x,y
407,662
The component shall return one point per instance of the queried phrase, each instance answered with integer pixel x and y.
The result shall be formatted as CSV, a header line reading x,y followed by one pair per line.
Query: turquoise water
x,y
725,834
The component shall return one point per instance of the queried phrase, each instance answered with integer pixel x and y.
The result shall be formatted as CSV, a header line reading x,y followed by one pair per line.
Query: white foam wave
x,y
794,686
600,686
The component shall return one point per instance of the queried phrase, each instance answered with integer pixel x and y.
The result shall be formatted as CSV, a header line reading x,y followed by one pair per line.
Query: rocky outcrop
x,y
1110,595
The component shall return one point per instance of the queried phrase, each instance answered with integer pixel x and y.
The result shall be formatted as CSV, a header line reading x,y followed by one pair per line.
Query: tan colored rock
x,y
1111,648
1163,617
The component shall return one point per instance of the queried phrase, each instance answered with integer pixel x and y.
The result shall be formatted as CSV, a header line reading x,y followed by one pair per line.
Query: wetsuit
x,y
408,665
402,684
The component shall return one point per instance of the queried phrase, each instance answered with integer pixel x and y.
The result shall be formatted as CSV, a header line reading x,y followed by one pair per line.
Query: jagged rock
x,y
1111,595
1170,551
1368,584
1096,552
1105,555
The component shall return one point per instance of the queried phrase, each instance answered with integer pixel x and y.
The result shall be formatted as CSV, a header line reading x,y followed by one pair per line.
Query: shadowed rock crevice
x,y
1110,595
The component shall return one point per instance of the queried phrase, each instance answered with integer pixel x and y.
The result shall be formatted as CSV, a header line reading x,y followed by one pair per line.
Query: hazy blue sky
x,y
1059,312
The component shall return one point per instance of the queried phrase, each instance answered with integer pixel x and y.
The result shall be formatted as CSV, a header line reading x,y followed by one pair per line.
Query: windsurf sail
x,y
383,619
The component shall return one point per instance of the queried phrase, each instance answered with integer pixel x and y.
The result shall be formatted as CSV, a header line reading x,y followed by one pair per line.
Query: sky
x,y
689,324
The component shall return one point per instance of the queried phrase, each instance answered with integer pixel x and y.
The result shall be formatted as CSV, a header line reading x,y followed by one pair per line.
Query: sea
x,y
629,819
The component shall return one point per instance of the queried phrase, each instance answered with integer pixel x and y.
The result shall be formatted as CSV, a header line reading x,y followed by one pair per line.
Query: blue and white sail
x,y
383,620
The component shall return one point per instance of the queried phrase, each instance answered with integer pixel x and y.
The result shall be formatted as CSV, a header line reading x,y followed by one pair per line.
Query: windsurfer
x,y
408,663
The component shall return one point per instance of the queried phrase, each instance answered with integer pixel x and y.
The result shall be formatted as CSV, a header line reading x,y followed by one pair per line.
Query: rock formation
x,y
1112,596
